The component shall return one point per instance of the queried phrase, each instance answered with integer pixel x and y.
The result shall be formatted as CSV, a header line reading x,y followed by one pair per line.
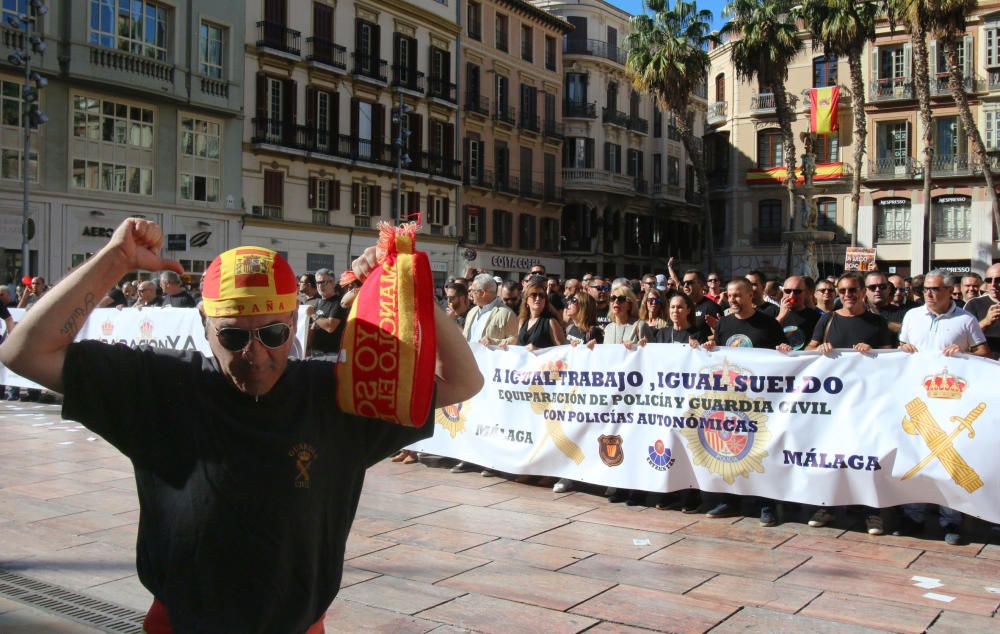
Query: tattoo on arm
x,y
79,315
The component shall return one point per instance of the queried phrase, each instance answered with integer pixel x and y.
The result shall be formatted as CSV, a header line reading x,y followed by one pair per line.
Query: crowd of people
x,y
937,311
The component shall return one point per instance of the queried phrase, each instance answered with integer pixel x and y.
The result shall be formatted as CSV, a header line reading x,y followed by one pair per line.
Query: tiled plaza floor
x,y
435,551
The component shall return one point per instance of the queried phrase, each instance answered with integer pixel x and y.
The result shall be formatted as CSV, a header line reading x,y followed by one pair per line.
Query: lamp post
x,y
402,157
31,115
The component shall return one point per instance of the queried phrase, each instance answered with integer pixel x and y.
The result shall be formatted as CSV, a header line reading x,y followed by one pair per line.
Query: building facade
x,y
351,118
512,136
629,196
745,164
143,103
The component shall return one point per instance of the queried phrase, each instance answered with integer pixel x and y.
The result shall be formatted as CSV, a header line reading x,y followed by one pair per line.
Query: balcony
x,y
531,189
892,167
891,89
214,87
614,117
266,211
507,184
440,88
638,124
279,132
595,48
370,67
580,110
477,104
693,197
952,165
763,103
120,61
278,37
884,234
552,194
994,79
589,178
322,51
941,87
586,245
717,112
482,181
663,190
641,186
406,78
504,114
767,236
554,129
439,166
529,122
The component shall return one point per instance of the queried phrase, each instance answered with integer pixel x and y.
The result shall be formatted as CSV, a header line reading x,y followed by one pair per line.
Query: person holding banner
x,y
249,482
623,325
581,320
540,326
986,308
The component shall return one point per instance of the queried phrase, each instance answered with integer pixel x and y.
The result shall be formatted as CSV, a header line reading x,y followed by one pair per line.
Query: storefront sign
x,y
98,232
176,242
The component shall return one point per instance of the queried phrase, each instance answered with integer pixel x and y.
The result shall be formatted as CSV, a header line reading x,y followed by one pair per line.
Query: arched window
x,y
769,222
827,208
720,87
769,149
824,71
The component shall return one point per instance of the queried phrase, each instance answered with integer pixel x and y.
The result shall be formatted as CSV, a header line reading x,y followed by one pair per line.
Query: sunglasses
x,y
933,289
534,296
619,299
991,280
236,339
877,287
789,291
850,290
324,282
572,300
713,280
601,289
653,300
824,290
688,283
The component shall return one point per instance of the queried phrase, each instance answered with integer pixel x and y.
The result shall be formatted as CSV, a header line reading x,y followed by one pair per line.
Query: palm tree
x,y
946,18
842,28
913,13
667,56
764,42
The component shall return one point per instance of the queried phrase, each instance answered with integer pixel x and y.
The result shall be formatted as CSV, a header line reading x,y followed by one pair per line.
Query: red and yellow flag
x,y
823,108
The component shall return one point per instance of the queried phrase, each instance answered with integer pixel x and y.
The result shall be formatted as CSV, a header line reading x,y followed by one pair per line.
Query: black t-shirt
x,y
575,334
556,299
602,316
978,307
669,335
706,307
799,326
757,331
117,296
245,505
769,309
180,300
845,332
323,341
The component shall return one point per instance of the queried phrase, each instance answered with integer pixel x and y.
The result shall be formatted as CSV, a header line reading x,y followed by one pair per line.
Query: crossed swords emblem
x,y
921,422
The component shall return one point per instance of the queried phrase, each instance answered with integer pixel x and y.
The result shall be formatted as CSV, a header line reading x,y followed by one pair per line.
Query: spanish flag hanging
x,y
823,108
388,350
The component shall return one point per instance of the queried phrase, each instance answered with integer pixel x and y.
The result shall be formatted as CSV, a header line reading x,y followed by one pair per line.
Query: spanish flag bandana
x,y
249,281
388,349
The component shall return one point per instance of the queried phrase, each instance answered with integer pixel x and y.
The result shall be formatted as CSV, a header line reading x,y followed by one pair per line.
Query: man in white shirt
x,y
489,322
939,325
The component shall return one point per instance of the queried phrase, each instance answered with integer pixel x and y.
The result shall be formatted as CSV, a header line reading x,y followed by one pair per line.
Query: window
x,y
13,9
112,177
827,149
275,101
893,220
947,138
274,191
502,228
613,157
121,126
951,218
112,122
135,26
11,161
769,149
365,130
893,63
501,32
549,234
720,87
576,88
550,53
992,47
578,153
526,232
893,143
199,164
673,133
769,224
990,129
10,116
825,71
657,122
657,169
827,208
437,209
366,200
473,226
210,50
475,21
673,171
527,43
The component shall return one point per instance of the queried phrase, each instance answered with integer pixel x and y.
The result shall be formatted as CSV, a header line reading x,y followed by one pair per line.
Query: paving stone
x,y
732,558
869,612
646,574
534,555
879,582
987,570
418,564
859,551
60,467
371,526
19,540
399,507
991,551
26,620
951,622
617,628
534,586
550,508
745,533
52,489
647,519
767,621
464,495
109,500
124,536
436,538
498,616
468,480
100,475
610,540
350,617
970,549
489,521
358,545
500,485
656,610
399,595
84,522
22,508
753,592
79,567
391,484
127,592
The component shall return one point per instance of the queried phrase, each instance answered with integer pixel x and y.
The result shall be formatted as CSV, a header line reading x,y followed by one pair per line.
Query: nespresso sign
x,y
98,232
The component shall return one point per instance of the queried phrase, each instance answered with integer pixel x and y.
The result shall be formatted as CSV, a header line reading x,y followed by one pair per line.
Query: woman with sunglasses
x,y
623,326
540,325
652,313
581,320
854,327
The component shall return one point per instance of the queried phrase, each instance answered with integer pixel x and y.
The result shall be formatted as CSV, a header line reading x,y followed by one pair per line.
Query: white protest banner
x,y
165,328
847,428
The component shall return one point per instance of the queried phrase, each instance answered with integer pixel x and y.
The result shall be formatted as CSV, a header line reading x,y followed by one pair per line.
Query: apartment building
x,y
745,164
512,135
143,103
954,229
351,118
629,195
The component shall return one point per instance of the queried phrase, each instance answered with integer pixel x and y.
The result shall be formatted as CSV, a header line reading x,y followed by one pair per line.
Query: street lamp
x,y
31,115
401,142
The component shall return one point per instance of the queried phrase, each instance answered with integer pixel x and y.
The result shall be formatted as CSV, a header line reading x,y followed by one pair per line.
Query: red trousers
x,y
157,622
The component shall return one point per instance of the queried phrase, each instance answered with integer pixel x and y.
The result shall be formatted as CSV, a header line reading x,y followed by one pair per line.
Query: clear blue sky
x,y
715,6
